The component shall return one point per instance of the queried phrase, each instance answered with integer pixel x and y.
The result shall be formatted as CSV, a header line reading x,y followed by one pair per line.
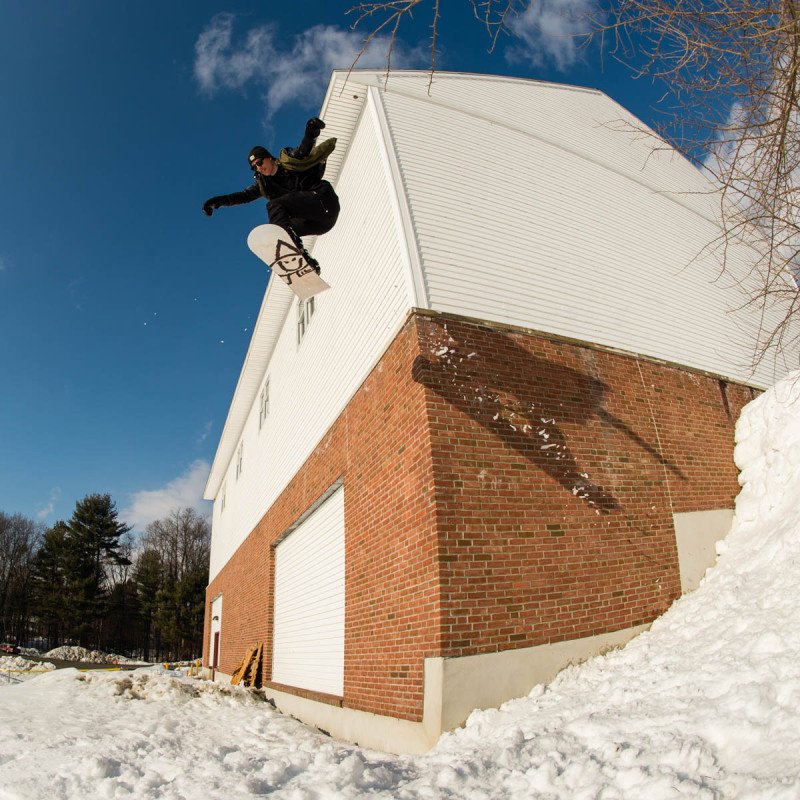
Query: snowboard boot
x,y
301,247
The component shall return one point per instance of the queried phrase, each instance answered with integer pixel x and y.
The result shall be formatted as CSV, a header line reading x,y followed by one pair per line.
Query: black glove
x,y
209,206
314,126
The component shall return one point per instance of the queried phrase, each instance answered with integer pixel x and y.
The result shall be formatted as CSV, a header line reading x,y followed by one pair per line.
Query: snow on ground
x,y
704,705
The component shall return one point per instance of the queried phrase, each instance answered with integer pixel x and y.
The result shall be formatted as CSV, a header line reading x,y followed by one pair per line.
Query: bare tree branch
x,y
392,13
495,16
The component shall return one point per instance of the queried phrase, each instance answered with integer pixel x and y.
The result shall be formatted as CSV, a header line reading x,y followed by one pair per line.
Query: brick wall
x,y
501,490
558,468
380,446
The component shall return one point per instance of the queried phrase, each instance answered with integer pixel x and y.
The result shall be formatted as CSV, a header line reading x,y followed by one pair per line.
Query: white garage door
x,y
308,645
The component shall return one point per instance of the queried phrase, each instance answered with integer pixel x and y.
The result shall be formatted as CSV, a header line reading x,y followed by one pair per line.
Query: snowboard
x,y
276,249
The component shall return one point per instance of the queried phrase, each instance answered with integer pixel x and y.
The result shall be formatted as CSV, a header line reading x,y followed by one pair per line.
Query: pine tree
x,y
50,582
92,544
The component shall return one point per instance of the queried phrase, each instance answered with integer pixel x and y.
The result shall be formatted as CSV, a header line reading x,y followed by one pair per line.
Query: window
x,y
263,411
305,310
239,460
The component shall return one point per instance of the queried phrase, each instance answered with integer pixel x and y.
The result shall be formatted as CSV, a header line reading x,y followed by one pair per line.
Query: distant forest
x,y
89,582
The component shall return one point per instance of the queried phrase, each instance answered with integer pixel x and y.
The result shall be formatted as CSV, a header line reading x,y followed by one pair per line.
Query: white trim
x,y
263,404
215,627
408,236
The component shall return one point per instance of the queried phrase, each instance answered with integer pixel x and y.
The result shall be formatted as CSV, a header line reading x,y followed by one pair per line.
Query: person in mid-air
x,y
298,199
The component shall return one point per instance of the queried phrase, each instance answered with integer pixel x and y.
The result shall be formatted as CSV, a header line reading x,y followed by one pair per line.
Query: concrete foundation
x,y
697,533
454,688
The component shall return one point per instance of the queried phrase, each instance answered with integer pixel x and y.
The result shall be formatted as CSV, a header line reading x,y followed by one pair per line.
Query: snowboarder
x,y
298,199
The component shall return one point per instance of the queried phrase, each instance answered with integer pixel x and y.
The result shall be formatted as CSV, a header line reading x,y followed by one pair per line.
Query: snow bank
x,y
17,668
73,653
704,705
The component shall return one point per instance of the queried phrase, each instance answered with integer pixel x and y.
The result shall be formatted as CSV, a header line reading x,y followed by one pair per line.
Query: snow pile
x,y
73,653
18,668
145,734
704,705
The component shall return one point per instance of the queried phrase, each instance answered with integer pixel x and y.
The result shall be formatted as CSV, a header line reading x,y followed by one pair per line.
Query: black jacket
x,y
282,182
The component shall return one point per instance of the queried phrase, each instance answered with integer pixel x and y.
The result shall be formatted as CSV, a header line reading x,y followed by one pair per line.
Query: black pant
x,y
308,213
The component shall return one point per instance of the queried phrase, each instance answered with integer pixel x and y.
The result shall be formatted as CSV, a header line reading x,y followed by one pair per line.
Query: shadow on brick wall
x,y
523,400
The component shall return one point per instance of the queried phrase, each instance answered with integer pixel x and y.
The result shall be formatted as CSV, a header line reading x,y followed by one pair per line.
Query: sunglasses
x,y
259,162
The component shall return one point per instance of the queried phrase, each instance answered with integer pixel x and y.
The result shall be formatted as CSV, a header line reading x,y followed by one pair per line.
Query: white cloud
x,y
184,491
552,31
728,142
217,66
205,433
55,493
296,72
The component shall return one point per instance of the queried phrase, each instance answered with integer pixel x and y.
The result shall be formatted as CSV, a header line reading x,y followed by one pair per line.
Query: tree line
x,y
88,582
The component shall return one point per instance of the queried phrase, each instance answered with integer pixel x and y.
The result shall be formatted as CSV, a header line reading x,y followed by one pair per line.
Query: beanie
x,y
257,153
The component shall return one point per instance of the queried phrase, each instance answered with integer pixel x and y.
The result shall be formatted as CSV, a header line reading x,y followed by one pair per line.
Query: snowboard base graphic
x,y
276,249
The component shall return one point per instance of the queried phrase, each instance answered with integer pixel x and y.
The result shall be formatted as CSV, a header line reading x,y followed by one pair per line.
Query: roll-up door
x,y
308,645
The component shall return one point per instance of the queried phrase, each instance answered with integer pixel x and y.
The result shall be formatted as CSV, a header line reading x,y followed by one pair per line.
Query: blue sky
x,y
125,313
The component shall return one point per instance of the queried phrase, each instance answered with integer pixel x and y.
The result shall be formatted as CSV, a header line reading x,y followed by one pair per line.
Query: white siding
x,y
517,228
572,118
365,260
308,641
